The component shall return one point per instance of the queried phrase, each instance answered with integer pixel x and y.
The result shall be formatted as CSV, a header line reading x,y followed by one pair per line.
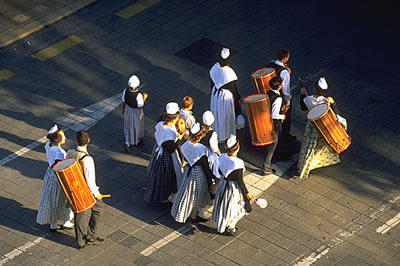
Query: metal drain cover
x,y
204,52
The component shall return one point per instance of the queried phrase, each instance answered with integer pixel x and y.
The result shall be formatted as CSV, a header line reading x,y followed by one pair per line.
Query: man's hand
x,y
303,90
99,197
330,100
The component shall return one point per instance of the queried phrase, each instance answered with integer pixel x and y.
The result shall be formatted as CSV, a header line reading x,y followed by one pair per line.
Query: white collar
x,y
222,75
279,63
80,148
276,91
193,151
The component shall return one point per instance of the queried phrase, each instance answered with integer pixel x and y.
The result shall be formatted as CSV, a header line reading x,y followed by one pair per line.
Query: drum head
x,y
317,111
255,98
64,164
263,72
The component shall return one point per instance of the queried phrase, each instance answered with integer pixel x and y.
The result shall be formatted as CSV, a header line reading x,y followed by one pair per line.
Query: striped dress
x,y
133,122
53,203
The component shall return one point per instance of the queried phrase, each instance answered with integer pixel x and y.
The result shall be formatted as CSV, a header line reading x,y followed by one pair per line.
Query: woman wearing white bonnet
x,y
314,152
132,108
193,194
225,101
53,203
162,181
210,140
232,199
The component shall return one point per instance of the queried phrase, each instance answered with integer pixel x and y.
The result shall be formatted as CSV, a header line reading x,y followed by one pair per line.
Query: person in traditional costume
x,y
232,199
210,140
314,151
225,98
275,99
166,168
187,115
53,203
193,194
132,108
283,71
87,223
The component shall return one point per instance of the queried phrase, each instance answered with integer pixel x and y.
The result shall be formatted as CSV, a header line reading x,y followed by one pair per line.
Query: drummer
x,y
276,105
87,222
314,151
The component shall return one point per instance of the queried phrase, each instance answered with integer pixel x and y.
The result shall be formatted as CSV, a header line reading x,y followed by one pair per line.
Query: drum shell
x,y
329,129
75,186
262,82
260,122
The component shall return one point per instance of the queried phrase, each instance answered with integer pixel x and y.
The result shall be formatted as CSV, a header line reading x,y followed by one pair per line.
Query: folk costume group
x,y
187,170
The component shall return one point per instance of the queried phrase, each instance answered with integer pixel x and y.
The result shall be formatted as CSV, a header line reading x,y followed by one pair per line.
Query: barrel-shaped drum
x,y
74,184
261,79
323,120
259,115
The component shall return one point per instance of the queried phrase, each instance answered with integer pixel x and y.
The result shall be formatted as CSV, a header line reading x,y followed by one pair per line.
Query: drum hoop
x,y
252,75
267,143
259,100
66,167
327,109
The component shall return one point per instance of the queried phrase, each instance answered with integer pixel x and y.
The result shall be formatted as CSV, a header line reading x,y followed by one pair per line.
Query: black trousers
x,y
270,149
87,223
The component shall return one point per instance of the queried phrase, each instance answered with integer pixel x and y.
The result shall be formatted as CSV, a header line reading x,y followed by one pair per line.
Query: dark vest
x,y
206,139
278,68
272,97
130,98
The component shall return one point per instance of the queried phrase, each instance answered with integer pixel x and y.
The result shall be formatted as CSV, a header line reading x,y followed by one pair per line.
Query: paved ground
x,y
344,214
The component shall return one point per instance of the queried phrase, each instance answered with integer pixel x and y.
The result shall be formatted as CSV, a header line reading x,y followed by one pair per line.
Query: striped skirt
x,y
314,153
192,195
53,203
162,179
228,205
133,125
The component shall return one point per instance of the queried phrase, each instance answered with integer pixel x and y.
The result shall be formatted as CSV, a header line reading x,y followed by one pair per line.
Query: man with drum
x,y
275,98
283,71
314,151
87,222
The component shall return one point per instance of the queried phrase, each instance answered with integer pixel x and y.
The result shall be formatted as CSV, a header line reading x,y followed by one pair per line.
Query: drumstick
x,y
106,196
301,85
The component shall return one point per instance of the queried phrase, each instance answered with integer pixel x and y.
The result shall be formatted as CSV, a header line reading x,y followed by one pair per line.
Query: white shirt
x,y
188,118
312,101
276,108
139,99
214,142
54,153
90,174
285,82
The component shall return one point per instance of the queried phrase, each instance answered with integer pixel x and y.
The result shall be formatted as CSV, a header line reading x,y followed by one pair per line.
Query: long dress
x,y
133,120
314,152
210,140
163,179
231,203
193,194
225,100
53,203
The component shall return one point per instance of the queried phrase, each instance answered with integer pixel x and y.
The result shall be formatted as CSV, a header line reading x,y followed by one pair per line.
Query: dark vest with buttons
x,y
130,98
278,68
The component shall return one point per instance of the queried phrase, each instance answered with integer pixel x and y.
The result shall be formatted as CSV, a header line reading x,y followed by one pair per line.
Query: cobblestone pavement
x,y
74,70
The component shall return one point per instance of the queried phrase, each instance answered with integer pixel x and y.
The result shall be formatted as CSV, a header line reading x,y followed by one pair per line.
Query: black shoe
x,y
199,219
290,138
269,172
60,227
97,241
81,248
127,148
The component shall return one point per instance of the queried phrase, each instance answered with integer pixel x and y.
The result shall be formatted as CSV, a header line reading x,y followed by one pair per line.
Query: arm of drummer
x,y
276,108
90,174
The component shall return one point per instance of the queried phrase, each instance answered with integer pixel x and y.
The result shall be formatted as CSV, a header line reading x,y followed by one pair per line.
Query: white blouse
x,y
54,153
193,151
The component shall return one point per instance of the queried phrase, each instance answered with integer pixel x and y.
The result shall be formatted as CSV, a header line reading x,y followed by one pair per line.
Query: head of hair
x,y
318,90
225,62
52,137
187,101
233,149
168,117
82,137
196,137
275,82
282,53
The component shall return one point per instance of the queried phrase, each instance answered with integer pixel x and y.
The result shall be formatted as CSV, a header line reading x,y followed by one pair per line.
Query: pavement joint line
x,y
18,251
65,121
57,48
343,234
136,8
389,224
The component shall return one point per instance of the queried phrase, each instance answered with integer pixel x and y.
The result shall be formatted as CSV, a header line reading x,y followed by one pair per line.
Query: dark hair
x,y
168,117
197,136
282,53
187,101
275,82
53,136
224,62
82,137
318,90
233,149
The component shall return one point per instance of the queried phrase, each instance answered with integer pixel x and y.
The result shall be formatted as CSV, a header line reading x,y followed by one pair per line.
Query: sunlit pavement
x,y
74,70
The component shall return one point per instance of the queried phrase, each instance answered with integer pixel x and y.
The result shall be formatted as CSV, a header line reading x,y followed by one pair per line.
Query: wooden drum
x,y
323,120
74,184
261,79
261,125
